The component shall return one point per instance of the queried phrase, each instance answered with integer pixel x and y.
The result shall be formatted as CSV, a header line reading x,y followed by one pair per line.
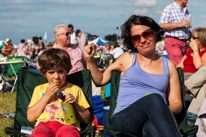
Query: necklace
x,y
143,63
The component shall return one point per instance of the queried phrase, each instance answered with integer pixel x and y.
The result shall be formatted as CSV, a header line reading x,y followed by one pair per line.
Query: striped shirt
x,y
173,14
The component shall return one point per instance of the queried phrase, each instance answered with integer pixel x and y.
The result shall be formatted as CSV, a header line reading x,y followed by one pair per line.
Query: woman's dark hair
x,y
139,20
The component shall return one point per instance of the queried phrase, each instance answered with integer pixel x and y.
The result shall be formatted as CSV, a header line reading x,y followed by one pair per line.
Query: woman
x,y
21,46
107,48
143,72
195,56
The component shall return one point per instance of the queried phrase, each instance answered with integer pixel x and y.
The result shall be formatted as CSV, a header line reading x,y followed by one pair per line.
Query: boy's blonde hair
x,y
52,58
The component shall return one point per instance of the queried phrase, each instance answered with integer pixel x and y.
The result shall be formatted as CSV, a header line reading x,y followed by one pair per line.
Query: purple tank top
x,y
136,83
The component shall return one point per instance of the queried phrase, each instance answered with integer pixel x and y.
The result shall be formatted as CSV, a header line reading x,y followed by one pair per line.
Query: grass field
x,y
8,104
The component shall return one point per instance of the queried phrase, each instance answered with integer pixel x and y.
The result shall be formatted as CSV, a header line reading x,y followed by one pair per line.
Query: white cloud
x,y
141,12
145,3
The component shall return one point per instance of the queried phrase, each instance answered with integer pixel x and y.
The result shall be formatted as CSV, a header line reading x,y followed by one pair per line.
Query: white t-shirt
x,y
73,39
117,52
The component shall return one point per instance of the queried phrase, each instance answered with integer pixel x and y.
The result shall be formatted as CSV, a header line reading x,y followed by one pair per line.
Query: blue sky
x,y
22,19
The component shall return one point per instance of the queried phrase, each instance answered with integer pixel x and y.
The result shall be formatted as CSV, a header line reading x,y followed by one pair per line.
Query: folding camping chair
x,y
11,68
28,80
181,118
104,60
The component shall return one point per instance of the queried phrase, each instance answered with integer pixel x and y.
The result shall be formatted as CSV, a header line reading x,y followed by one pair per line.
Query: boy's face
x,y
56,75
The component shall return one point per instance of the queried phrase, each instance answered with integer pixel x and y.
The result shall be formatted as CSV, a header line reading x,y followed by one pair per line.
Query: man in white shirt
x,y
73,39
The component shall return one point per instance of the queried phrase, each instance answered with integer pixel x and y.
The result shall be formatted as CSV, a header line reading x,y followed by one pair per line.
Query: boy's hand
x,y
52,89
70,98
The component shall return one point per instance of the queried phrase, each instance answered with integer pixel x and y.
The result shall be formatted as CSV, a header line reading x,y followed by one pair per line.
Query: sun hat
x,y
7,40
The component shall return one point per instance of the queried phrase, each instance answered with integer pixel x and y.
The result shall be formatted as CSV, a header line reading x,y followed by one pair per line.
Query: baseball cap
x,y
7,40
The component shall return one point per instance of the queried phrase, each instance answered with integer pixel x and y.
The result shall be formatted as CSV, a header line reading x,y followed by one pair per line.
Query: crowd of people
x,y
149,88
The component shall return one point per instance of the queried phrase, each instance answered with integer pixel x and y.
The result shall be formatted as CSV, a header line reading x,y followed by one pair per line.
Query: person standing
x,y
21,46
62,38
83,41
40,43
176,20
73,39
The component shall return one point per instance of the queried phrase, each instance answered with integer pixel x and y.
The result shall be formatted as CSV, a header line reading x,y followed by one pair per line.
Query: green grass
x,y
8,105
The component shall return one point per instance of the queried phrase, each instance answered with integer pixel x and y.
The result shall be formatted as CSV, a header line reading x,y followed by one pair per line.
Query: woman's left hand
x,y
70,98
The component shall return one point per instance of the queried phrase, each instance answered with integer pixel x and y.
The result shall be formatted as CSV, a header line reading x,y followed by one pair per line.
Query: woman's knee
x,y
155,100
149,130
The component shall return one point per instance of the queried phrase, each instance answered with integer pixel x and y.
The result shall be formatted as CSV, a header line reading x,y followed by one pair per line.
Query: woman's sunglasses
x,y
147,34
195,37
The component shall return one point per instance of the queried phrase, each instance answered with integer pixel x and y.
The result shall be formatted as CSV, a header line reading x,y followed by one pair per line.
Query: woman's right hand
x,y
193,44
89,51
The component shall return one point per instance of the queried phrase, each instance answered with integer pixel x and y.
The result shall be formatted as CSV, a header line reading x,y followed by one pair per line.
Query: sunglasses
x,y
195,37
147,34
67,33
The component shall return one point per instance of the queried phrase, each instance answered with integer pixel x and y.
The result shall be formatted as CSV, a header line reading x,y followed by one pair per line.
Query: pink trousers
x,y
54,129
176,49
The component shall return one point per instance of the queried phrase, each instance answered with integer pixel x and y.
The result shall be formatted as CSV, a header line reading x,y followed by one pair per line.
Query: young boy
x,y
47,109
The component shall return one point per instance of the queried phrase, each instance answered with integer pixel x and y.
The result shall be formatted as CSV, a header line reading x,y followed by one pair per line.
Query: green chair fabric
x,y
27,81
181,118
105,60
9,71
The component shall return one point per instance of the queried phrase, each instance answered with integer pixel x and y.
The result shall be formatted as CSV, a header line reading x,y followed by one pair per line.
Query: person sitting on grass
x,y
49,110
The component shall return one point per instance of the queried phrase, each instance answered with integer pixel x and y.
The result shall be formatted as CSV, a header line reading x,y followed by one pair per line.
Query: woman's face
x,y
196,38
143,38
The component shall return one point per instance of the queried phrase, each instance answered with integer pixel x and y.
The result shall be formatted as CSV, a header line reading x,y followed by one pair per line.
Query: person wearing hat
x,y
7,47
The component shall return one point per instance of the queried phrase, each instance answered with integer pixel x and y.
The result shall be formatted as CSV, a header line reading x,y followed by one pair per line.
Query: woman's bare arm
x,y
174,91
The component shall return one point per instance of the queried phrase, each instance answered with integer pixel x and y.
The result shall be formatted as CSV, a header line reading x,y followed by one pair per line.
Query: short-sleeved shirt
x,y
7,48
73,38
54,110
188,63
83,41
76,56
173,14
